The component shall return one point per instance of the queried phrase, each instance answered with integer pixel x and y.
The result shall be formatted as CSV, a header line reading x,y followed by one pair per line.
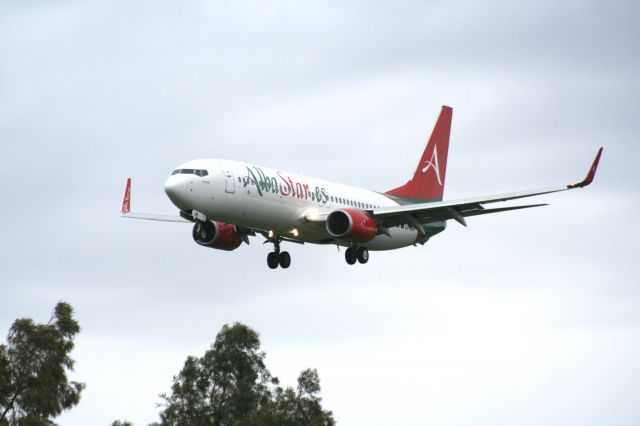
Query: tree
x,y
291,407
33,369
230,385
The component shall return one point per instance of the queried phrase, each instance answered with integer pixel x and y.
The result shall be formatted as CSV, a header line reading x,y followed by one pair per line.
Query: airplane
x,y
229,201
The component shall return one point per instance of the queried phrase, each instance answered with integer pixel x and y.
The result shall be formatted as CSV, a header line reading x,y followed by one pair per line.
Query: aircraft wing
x,y
184,217
417,214
126,210
158,217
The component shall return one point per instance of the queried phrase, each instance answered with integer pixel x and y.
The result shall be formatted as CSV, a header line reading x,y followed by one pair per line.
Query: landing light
x,y
295,232
271,233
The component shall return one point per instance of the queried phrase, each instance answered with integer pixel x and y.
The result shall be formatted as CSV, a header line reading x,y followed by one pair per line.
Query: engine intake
x,y
217,235
351,225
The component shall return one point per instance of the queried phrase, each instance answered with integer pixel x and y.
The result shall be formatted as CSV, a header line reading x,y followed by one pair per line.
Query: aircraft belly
x,y
262,213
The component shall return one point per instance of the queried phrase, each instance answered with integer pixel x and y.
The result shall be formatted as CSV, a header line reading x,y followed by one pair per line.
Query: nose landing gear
x,y
277,258
353,254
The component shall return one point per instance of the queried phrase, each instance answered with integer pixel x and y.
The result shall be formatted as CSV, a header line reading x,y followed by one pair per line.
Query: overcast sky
x,y
529,317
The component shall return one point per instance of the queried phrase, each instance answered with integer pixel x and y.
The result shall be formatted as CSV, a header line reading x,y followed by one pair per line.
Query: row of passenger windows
x,y
197,172
353,203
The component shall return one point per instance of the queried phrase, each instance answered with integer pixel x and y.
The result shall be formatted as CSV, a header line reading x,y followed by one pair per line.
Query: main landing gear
x,y
353,254
277,258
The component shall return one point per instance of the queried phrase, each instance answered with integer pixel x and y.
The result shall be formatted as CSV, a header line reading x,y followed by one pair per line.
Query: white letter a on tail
x,y
433,163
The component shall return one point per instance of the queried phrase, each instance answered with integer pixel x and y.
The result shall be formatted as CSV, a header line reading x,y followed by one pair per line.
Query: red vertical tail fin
x,y
427,183
126,201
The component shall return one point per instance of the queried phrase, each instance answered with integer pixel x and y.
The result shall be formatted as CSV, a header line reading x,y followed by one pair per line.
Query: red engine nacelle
x,y
218,235
351,225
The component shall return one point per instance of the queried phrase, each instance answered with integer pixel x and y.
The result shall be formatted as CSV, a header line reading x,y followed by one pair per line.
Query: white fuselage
x,y
267,199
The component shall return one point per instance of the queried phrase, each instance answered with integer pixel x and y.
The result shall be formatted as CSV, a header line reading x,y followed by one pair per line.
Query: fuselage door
x,y
229,182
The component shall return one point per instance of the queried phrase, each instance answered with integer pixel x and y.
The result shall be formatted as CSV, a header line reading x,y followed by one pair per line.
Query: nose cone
x,y
177,189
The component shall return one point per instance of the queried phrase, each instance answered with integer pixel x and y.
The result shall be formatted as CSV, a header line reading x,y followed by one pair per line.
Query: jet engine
x,y
351,225
217,235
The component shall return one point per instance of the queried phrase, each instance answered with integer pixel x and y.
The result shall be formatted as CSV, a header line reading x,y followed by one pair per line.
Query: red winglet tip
x,y
126,201
594,167
592,172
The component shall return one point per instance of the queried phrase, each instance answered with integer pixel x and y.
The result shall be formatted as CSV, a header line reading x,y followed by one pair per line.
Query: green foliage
x,y
33,364
121,423
293,408
231,386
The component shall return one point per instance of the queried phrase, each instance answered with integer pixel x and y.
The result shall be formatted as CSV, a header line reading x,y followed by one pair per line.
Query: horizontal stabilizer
x,y
500,209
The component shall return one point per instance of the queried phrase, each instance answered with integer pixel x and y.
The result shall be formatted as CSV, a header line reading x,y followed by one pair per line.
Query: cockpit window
x,y
197,172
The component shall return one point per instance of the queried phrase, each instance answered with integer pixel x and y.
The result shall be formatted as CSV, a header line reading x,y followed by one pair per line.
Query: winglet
x,y
590,175
126,201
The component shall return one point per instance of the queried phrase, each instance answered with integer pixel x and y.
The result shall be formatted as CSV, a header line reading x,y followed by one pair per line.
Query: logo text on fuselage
x,y
283,185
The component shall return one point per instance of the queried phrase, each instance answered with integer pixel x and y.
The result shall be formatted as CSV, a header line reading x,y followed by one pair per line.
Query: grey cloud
x,y
522,305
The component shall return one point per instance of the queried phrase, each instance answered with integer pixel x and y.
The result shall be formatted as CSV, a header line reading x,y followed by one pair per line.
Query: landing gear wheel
x,y
285,259
350,255
363,255
273,260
